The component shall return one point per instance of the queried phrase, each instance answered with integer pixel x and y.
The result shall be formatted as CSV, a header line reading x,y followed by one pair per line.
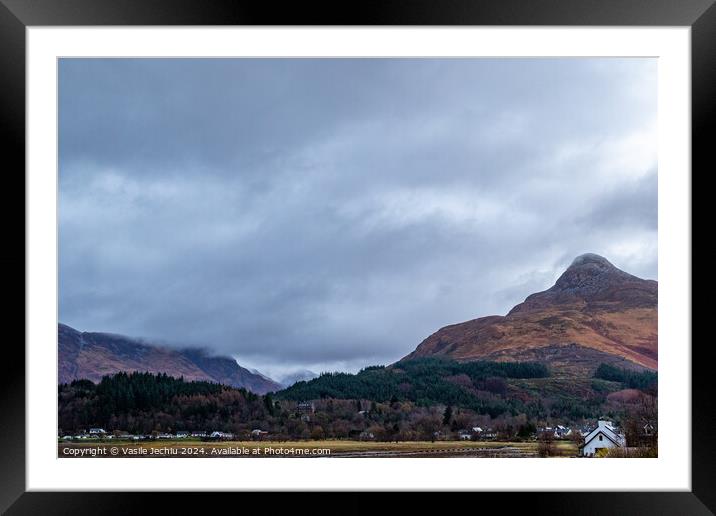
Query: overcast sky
x,y
332,213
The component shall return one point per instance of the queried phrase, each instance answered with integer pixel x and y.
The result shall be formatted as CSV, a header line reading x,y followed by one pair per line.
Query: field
x,y
326,448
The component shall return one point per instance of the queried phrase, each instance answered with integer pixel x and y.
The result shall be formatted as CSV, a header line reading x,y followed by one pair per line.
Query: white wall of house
x,y
599,441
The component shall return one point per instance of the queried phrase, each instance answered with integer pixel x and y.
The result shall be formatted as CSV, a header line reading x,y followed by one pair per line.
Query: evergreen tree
x,y
447,415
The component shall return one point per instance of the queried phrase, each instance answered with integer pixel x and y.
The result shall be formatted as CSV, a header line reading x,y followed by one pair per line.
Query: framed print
x,y
419,249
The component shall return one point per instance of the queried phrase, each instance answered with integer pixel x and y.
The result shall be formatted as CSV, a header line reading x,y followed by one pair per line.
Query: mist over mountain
x,y
297,376
85,355
325,213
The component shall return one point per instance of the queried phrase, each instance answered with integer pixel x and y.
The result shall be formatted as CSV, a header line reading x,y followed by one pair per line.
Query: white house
x,y
561,431
604,436
97,431
221,435
489,434
306,407
258,434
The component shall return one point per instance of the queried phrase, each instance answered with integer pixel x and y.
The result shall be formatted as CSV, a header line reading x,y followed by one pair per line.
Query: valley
x,y
582,351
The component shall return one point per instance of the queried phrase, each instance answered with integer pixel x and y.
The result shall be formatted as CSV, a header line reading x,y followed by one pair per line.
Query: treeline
x,y
645,380
144,391
408,400
427,382
144,402
478,370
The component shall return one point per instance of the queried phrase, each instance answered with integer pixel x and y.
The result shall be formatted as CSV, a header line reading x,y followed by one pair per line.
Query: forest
x,y
643,380
425,382
411,400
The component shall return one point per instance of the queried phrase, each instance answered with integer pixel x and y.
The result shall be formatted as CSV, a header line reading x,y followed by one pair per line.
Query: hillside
x,y
480,386
595,313
85,355
493,388
408,402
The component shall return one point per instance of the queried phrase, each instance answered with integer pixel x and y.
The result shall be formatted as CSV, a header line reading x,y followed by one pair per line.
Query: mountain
x,y
259,373
595,313
94,355
301,375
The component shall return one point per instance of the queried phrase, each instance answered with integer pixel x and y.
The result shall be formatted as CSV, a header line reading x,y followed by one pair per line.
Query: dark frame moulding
x,y
16,15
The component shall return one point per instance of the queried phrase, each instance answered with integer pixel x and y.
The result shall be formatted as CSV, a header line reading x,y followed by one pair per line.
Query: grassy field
x,y
325,448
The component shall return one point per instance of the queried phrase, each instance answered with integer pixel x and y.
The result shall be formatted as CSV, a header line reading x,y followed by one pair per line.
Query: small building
x,y
200,433
562,432
366,436
490,433
259,434
605,435
182,434
306,407
464,435
221,435
98,432
644,436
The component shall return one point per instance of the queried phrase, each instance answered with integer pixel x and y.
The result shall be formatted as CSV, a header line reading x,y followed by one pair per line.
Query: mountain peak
x,y
592,278
591,258
594,313
588,274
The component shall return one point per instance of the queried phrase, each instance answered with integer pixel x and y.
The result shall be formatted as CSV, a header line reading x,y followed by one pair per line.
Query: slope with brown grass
x,y
594,313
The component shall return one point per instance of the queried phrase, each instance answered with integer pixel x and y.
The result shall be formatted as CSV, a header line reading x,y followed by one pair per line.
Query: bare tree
x,y
641,425
545,446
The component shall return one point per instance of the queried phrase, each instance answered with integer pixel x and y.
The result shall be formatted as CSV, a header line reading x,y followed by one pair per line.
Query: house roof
x,y
607,430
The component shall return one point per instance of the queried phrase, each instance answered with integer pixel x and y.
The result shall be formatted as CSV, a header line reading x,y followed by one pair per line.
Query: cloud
x,y
330,214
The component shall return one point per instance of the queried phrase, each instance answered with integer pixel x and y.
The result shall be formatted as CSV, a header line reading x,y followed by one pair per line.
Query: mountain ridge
x,y
92,355
593,313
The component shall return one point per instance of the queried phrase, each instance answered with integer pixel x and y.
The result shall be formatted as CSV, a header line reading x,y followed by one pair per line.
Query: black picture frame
x,y
17,15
